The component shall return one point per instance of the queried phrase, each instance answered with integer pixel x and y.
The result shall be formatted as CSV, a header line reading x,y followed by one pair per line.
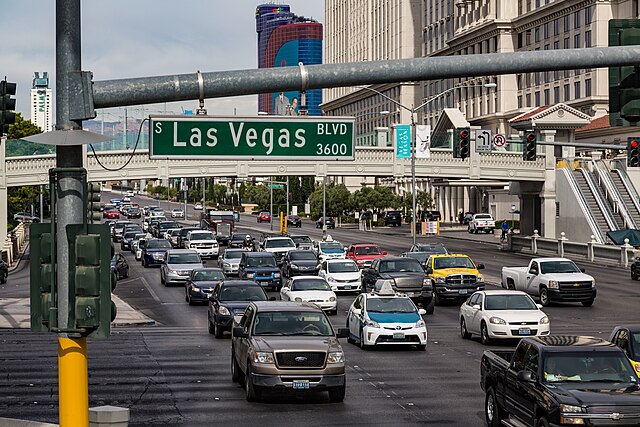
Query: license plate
x,y
347,287
524,331
398,335
300,384
462,292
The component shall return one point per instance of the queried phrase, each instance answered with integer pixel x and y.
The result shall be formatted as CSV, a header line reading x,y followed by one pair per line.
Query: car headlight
x,y
479,278
263,357
439,279
420,324
335,357
276,275
544,320
426,282
569,410
331,279
192,246
224,311
497,321
195,289
294,267
251,275
298,299
372,323
553,284
332,299
593,284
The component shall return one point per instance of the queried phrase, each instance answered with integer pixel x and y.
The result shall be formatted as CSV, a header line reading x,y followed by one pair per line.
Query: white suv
x,y
482,222
202,241
278,246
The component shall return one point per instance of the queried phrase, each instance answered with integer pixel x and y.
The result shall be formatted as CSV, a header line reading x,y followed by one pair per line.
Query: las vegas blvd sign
x,y
261,137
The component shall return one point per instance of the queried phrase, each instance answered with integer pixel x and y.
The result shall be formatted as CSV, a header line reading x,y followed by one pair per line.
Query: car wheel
x,y
362,344
252,393
436,297
3,277
542,422
421,347
587,303
126,273
431,306
484,334
236,375
544,297
211,331
634,275
336,395
463,330
186,295
217,331
492,413
144,263
333,312
350,339
164,282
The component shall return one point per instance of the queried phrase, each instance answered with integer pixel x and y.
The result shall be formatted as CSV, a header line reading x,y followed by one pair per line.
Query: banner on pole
x,y
403,141
423,141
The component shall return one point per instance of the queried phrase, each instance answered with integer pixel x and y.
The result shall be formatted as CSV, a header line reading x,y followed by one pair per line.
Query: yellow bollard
x,y
73,382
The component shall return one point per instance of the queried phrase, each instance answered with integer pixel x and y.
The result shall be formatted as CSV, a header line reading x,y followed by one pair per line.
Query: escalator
x,y
625,189
597,204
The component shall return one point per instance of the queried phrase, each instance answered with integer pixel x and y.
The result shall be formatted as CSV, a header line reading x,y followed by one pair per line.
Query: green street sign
x,y
277,186
261,137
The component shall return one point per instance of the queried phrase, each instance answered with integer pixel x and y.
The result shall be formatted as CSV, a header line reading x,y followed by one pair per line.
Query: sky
x,y
140,38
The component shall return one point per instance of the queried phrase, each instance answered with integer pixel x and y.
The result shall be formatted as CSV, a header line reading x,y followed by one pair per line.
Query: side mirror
x,y
539,306
239,332
384,252
582,270
480,266
476,307
272,299
533,272
526,377
285,289
356,311
422,311
342,333
204,261
212,298
428,270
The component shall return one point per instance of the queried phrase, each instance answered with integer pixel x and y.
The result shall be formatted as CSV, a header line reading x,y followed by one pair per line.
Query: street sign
x,y
499,140
483,141
264,137
276,186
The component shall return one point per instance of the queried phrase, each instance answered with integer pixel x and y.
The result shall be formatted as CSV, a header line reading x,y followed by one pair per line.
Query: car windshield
x,y
303,256
207,275
238,237
175,232
592,366
158,244
432,249
129,235
420,256
167,225
201,236
279,243
509,302
453,262
404,265
483,217
301,239
232,254
292,323
559,267
368,250
331,246
242,293
186,258
310,285
261,261
390,305
342,267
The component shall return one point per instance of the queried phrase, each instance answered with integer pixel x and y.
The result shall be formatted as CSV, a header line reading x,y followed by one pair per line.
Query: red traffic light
x,y
531,137
464,134
634,144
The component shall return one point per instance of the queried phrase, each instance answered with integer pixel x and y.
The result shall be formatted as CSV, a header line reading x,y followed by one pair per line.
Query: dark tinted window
x,y
404,265
262,261
158,244
184,258
310,285
207,275
292,323
242,293
303,256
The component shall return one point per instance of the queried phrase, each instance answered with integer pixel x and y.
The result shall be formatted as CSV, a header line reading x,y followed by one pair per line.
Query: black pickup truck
x,y
560,380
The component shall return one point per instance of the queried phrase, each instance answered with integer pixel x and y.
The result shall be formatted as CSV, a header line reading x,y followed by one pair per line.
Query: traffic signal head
x,y
7,105
463,147
42,278
624,82
530,147
93,202
633,152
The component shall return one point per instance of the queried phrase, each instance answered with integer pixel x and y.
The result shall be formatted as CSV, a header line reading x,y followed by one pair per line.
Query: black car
x,y
134,213
120,266
128,238
4,271
466,219
237,240
230,299
393,218
294,221
635,269
199,286
330,222
431,216
300,263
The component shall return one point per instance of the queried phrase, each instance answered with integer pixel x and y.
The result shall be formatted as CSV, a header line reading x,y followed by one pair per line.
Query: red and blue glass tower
x,y
285,39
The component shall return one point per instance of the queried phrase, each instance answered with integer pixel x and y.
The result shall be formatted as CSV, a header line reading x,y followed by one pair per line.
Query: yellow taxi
x,y
628,339
454,276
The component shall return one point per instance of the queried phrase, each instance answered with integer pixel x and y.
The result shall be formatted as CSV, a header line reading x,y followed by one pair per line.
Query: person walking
x,y
362,221
505,228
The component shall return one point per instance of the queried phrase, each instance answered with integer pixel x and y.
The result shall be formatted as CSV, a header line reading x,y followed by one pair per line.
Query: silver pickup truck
x,y
287,345
482,222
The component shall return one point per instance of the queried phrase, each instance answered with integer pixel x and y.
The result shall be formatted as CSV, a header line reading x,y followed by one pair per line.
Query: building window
x,y
566,43
587,38
546,97
537,77
587,15
556,26
576,41
567,93
528,100
556,75
576,20
546,30
536,33
537,99
546,46
587,87
576,89
519,101
556,45
556,94
546,77
567,23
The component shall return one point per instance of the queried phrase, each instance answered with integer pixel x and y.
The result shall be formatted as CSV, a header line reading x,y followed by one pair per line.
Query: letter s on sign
x,y
158,127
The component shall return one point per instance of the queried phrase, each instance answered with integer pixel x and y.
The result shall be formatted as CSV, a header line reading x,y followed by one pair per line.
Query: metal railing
x,y
566,169
612,193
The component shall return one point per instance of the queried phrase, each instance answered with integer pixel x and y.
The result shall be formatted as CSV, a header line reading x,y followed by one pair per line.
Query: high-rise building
x,y
41,96
285,39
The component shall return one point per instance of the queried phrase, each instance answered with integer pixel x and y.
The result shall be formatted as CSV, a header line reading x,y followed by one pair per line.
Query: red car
x,y
111,214
264,217
364,253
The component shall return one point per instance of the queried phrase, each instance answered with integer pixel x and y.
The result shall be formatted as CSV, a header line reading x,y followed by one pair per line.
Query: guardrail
x,y
592,251
14,243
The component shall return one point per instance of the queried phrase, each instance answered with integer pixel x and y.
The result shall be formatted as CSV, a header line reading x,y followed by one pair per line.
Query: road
x,y
175,373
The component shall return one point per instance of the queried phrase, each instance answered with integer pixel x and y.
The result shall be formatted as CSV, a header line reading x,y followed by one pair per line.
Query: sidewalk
x,y
15,314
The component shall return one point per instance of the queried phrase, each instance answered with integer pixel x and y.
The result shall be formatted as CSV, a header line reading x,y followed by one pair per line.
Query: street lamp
x,y
413,111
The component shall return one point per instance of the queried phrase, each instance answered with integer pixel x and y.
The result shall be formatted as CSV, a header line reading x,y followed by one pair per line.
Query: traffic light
x,y
93,202
42,278
633,152
91,279
462,143
7,105
530,147
624,82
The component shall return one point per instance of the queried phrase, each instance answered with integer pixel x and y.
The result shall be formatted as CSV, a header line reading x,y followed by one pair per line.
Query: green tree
x,y
338,200
308,186
295,188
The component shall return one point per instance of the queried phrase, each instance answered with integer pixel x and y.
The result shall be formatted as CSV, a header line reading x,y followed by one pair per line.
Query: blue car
x,y
262,268
229,300
153,252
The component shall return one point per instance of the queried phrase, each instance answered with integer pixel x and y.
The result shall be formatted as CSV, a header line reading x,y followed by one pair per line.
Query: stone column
x,y
3,192
548,193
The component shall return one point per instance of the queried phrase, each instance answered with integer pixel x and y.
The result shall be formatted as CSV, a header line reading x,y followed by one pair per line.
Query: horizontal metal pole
x,y
151,90
585,145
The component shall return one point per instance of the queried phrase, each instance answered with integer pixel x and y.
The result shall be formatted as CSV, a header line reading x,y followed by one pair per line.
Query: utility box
x,y
108,416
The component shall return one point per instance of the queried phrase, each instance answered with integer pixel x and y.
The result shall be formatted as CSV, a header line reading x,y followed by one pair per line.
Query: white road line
x,y
150,289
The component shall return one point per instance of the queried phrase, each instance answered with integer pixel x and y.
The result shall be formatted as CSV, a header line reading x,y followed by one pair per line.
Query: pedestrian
x,y
505,228
363,217
461,217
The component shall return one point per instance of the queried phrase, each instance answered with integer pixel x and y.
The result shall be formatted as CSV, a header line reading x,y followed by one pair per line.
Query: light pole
x,y
413,111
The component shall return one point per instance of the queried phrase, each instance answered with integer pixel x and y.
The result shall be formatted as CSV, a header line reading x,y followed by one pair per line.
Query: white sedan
x,y
502,314
341,274
198,206
311,289
177,213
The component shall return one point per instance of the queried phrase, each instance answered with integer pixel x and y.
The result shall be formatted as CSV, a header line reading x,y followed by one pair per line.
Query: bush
x,y
347,219
515,224
380,222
